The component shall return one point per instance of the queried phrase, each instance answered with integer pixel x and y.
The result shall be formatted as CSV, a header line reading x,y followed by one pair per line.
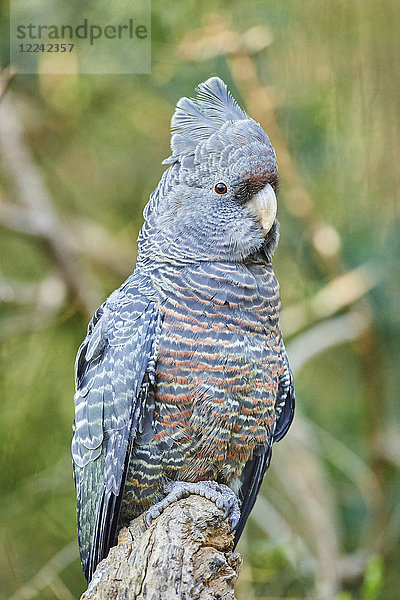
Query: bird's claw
x,y
223,497
151,515
232,512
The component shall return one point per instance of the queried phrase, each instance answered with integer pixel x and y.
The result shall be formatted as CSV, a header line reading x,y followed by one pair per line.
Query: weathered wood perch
x,y
186,554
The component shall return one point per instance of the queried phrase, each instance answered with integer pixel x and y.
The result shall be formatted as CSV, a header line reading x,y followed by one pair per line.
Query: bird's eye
x,y
221,188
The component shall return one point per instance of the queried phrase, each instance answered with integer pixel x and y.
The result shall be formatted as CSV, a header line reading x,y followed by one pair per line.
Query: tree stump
x,y
186,554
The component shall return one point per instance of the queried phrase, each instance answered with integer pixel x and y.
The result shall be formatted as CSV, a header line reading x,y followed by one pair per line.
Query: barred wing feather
x,y
114,368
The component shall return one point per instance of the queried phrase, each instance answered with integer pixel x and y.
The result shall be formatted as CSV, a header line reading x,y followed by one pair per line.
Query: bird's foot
x,y
220,494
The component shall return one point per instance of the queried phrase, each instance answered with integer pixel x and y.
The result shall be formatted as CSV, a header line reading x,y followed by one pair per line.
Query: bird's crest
x,y
196,119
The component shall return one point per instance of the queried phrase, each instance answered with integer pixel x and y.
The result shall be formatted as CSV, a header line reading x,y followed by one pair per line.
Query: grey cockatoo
x,y
182,382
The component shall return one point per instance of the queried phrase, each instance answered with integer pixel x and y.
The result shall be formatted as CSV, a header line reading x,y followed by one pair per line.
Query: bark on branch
x,y
186,554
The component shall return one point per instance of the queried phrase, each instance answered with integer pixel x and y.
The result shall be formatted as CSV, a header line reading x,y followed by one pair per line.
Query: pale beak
x,y
263,206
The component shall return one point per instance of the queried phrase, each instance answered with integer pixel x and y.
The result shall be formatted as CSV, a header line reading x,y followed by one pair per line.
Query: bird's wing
x,y
285,401
255,469
114,367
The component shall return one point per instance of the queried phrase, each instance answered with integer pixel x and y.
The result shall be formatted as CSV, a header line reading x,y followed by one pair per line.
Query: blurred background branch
x,y
48,576
33,212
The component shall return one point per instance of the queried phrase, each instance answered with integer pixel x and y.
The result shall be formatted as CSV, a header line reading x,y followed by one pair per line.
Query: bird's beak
x,y
263,206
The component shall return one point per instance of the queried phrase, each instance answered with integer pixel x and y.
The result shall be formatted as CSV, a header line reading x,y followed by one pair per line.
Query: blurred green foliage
x,y
98,141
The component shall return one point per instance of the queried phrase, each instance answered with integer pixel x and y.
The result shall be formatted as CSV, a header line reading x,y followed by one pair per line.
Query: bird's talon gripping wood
x,y
223,497
183,375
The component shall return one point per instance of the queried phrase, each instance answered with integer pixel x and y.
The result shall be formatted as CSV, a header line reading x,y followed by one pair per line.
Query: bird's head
x,y
218,200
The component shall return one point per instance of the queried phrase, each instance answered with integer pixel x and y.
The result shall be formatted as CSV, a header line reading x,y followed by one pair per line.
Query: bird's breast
x,y
219,361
